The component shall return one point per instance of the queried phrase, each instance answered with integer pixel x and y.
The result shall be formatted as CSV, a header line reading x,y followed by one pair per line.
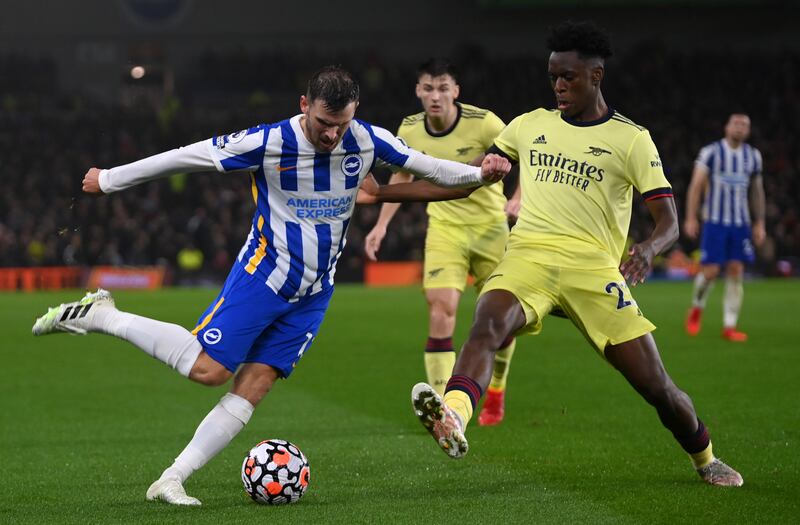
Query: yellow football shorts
x,y
597,302
452,251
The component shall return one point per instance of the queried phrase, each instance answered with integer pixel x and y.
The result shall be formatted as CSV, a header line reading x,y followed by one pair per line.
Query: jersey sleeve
x,y
706,157
492,126
644,170
392,152
240,151
506,141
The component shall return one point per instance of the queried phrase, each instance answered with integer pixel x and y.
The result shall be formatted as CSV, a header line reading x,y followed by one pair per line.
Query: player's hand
x,y
372,243
512,210
494,168
759,233
91,182
368,191
638,265
691,228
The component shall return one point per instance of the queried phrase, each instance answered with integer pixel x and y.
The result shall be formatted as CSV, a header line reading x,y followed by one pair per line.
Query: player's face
x,y
437,94
575,82
324,129
738,127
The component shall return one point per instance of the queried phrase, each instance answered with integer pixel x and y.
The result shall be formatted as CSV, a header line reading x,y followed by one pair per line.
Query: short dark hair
x,y
437,67
585,37
334,86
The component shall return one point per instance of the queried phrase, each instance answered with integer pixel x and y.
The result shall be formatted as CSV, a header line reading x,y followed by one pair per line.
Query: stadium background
x,y
86,423
68,101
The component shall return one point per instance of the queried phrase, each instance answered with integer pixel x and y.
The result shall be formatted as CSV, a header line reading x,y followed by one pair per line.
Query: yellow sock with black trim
x,y
502,364
702,458
461,395
439,361
697,445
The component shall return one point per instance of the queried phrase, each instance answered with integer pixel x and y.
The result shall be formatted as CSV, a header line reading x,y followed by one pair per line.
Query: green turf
x,y
88,422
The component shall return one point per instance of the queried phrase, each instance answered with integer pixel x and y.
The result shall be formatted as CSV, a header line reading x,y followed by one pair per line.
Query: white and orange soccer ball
x,y
275,472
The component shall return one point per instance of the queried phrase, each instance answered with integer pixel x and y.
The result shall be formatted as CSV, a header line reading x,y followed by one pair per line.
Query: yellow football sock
x,y
702,458
502,362
439,367
460,403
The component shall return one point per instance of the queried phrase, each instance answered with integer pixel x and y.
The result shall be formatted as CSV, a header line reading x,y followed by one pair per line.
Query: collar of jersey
x,y
449,130
584,124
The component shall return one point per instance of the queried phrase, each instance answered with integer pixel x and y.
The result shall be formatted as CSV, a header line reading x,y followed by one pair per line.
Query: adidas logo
x,y
540,140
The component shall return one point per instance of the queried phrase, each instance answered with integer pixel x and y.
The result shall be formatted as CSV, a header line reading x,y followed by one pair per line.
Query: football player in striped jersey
x,y
305,173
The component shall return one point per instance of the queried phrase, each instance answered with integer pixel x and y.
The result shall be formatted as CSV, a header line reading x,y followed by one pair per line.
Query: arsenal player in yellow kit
x,y
579,165
465,236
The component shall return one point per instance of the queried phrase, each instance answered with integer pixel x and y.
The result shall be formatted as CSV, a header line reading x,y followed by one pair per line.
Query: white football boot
x,y
171,491
440,420
75,318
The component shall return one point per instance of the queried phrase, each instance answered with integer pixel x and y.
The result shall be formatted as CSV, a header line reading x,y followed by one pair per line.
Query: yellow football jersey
x,y
472,134
577,185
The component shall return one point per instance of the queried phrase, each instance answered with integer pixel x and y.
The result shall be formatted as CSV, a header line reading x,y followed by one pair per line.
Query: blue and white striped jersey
x,y
729,174
304,199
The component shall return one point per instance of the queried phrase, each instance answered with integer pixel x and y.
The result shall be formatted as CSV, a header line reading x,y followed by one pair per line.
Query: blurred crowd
x,y
196,224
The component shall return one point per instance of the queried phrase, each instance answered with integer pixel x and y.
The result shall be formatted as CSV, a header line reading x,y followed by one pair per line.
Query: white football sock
x,y
732,304
702,289
169,343
218,429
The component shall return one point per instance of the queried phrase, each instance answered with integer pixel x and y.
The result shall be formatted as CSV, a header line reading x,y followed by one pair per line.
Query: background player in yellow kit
x,y
579,165
465,236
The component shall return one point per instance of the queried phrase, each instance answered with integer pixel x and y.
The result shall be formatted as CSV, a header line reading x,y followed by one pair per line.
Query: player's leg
x,y
712,255
732,302
445,275
215,432
440,356
639,361
741,252
498,314
169,343
487,246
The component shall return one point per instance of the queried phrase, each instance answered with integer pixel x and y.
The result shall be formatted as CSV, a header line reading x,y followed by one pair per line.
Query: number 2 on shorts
x,y
622,303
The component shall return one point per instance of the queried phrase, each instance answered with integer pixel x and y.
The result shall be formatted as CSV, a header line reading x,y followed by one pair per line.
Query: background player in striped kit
x,y
724,172
305,173
465,236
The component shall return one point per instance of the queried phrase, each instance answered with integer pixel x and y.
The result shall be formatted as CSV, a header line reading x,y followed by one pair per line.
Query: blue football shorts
x,y
720,244
249,323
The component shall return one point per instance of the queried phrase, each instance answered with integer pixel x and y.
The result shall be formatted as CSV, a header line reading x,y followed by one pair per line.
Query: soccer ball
x,y
275,472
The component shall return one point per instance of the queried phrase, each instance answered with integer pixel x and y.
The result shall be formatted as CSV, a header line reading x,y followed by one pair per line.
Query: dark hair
x,y
334,86
437,67
584,37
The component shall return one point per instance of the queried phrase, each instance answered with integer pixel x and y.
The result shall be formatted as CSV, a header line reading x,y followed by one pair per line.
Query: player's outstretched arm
x,y
188,159
664,235
418,191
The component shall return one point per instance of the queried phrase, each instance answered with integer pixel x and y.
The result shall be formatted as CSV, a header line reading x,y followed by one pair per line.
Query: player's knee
x,y
209,375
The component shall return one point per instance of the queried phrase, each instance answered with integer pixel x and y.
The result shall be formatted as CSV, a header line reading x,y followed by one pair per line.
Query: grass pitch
x,y
87,423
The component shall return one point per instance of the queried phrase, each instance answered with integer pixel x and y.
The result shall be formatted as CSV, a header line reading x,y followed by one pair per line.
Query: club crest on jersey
x,y
351,164
212,336
594,150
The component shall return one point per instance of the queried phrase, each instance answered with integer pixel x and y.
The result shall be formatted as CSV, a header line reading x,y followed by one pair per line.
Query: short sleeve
x,y
491,129
706,157
643,167
506,141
